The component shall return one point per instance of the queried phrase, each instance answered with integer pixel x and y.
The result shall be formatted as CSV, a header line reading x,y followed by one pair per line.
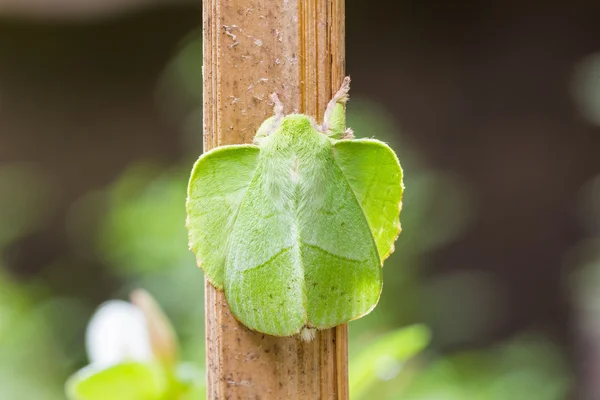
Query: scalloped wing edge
x,y
398,225
211,153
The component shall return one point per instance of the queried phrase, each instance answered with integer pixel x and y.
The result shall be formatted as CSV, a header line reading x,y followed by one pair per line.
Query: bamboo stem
x,y
253,48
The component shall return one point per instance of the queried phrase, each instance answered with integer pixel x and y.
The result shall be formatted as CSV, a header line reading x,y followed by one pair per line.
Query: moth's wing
x,y
374,173
264,281
217,185
343,276
314,262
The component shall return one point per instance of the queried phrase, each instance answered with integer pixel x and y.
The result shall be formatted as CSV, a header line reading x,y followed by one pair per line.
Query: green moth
x,y
295,227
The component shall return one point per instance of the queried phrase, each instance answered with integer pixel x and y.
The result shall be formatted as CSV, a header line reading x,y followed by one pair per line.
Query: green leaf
x,y
385,357
125,381
295,229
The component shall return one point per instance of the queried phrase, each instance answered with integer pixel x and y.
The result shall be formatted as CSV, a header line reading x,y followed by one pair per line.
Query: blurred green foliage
x,y
528,368
133,354
125,381
384,358
32,366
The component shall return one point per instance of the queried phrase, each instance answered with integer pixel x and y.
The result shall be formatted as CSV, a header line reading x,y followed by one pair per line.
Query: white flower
x,y
118,332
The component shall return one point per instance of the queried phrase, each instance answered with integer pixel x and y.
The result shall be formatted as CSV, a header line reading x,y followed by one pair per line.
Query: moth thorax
x,y
295,170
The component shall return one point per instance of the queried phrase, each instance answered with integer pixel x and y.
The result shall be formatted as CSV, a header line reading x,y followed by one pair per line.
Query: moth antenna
x,y
277,106
272,123
341,97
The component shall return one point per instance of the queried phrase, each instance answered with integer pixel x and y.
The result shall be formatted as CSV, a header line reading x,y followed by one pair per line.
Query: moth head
x,y
300,123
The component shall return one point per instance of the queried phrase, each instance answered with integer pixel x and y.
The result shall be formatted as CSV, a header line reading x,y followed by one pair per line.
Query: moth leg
x,y
272,123
334,123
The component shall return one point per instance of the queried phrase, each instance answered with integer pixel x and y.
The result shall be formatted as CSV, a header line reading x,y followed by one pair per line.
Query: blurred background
x,y
493,108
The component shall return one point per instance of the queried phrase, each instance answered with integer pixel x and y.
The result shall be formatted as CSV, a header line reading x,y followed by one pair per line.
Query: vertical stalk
x,y
253,48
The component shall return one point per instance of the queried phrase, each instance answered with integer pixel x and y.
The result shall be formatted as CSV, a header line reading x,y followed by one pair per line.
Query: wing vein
x,y
280,252
332,254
